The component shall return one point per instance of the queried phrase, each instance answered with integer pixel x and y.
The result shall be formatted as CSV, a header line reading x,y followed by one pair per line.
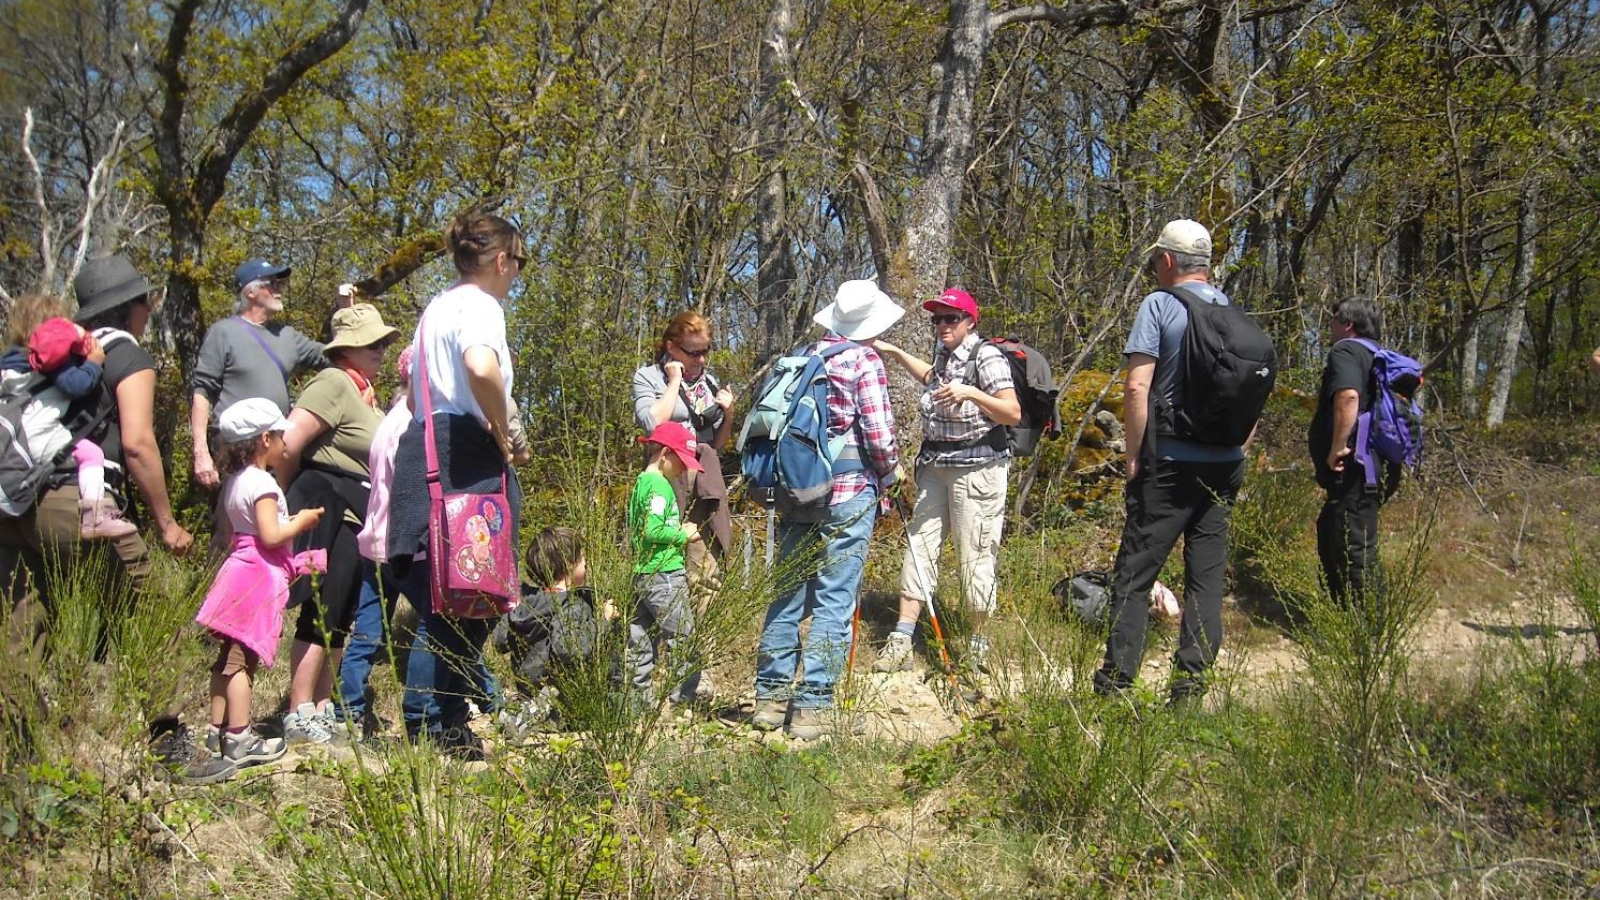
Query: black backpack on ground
x,y
1229,369
1036,391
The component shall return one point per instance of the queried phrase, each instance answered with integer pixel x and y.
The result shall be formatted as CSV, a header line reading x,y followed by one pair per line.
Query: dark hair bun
x,y
475,238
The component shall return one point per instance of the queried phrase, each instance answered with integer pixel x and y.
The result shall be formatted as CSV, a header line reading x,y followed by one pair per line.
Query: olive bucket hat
x,y
359,325
105,284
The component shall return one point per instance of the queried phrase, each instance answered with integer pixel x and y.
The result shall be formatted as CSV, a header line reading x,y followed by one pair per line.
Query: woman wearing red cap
x,y
960,470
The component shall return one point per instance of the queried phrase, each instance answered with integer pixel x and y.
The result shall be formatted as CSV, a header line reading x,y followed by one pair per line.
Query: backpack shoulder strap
x,y
835,349
1368,343
992,344
1187,296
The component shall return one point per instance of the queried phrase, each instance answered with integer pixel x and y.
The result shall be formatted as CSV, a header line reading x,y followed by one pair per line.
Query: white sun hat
x,y
859,311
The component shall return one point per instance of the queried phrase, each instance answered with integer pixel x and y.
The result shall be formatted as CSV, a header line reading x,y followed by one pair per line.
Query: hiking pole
x,y
855,633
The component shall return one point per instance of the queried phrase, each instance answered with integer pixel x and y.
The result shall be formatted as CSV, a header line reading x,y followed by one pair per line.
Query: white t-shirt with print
x,y
455,321
244,489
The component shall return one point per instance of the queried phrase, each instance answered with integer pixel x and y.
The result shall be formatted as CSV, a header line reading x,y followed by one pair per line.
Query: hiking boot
x,y
811,723
304,726
213,740
895,655
769,715
250,749
1185,692
978,653
520,721
173,748
340,732
103,520
705,692
460,743
210,770
1110,683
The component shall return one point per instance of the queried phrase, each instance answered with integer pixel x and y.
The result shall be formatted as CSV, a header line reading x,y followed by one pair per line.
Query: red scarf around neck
x,y
368,395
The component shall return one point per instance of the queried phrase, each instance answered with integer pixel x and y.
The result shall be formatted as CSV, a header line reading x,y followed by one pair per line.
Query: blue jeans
x,y
374,608
828,597
374,612
446,666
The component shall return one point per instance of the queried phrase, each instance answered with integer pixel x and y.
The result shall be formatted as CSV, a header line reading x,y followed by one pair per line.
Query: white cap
x,y
249,418
1184,236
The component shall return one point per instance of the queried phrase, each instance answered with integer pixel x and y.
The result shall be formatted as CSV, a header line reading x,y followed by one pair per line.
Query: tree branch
x,y
92,195
1088,15
242,119
47,250
416,253
877,221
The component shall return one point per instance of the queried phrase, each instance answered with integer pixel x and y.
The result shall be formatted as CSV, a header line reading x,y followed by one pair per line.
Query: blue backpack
x,y
1392,429
785,449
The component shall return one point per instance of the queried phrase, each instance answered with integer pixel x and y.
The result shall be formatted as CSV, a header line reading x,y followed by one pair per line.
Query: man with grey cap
x,y
860,417
40,548
1177,486
247,355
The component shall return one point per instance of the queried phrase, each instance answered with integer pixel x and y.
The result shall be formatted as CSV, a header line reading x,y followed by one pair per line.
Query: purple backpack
x,y
1392,429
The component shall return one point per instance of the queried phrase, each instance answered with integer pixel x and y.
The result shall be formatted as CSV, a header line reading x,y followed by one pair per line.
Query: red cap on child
x,y
680,439
53,344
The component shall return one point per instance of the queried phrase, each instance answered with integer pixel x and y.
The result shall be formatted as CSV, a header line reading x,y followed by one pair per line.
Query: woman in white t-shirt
x,y
461,344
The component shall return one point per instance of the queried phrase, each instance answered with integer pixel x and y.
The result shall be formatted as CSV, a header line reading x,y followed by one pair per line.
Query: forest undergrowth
x,y
1366,769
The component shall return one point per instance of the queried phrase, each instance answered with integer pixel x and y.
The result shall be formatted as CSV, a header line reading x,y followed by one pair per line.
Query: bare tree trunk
x,y
1469,370
1532,38
775,272
1521,283
923,259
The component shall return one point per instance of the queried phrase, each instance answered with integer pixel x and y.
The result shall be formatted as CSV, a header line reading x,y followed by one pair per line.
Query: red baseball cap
x,y
677,436
53,344
956,299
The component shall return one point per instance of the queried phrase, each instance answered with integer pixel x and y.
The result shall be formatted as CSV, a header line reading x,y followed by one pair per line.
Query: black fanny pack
x,y
995,438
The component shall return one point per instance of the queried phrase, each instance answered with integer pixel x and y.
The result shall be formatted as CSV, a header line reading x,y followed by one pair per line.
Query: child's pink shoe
x,y
103,520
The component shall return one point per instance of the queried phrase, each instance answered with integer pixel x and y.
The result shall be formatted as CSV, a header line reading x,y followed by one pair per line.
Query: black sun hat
x,y
105,284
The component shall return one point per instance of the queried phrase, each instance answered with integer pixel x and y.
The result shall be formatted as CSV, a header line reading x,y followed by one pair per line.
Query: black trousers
x,y
1347,538
1168,500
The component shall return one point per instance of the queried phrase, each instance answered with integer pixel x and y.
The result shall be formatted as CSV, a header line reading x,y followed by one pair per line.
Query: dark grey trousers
x,y
1347,538
1168,500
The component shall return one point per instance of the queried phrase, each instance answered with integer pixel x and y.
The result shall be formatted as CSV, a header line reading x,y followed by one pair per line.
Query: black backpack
x,y
1229,369
1036,391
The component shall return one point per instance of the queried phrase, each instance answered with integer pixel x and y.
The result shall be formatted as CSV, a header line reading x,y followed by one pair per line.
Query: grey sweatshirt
x,y
234,364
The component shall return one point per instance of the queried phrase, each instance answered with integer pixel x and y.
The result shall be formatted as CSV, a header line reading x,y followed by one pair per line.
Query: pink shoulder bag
x,y
472,564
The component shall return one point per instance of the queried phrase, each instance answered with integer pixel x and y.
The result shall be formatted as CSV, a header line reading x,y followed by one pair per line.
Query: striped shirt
x,y
858,407
964,421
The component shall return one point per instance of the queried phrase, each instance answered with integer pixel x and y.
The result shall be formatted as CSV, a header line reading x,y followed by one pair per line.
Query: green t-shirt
x,y
346,443
653,520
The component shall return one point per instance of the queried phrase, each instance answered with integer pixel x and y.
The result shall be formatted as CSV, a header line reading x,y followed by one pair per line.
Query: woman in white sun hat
x,y
858,410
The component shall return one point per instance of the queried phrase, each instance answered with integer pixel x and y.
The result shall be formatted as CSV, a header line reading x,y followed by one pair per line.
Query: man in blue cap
x,y
247,355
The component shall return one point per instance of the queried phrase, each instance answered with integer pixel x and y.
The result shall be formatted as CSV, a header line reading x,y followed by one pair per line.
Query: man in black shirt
x,y
1347,528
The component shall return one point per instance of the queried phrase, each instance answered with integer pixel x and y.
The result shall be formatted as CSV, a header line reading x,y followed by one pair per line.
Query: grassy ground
x,y
1445,743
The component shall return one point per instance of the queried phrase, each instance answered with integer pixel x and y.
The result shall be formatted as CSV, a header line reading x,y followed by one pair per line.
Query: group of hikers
x,y
422,499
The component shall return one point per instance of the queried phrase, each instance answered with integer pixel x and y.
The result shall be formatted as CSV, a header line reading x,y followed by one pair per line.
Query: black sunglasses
x,y
946,318
697,354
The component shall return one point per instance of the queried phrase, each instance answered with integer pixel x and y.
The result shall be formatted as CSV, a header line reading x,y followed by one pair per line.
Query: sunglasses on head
x,y
946,318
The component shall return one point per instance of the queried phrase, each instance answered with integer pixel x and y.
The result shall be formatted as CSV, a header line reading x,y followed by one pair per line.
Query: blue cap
x,y
256,270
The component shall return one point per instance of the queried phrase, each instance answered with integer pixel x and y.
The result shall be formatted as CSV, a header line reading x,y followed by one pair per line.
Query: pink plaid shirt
x,y
858,407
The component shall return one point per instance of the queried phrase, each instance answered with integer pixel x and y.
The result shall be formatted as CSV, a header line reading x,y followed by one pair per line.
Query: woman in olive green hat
x,y
330,436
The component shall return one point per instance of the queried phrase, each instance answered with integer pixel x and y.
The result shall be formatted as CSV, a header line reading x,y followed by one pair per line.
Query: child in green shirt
x,y
660,580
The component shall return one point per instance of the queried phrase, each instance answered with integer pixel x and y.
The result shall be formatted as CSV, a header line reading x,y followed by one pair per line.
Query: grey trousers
x,y
662,611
